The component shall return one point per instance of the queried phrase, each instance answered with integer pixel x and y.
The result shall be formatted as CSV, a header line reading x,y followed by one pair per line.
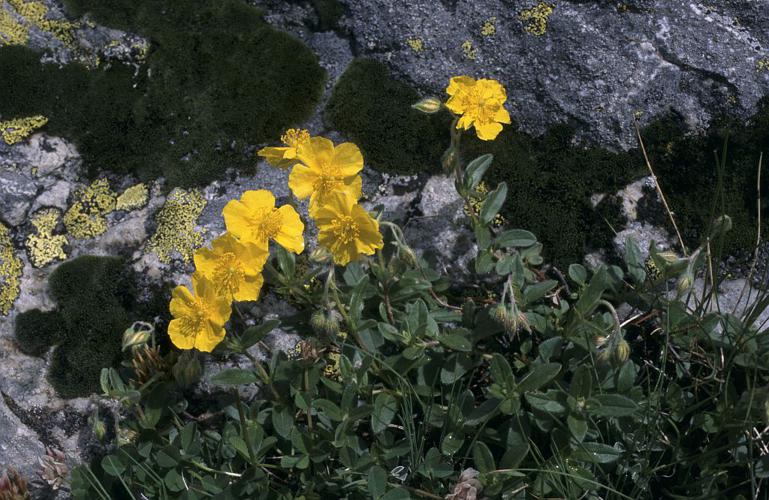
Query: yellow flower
x,y
254,218
346,229
326,169
199,318
480,103
234,267
285,157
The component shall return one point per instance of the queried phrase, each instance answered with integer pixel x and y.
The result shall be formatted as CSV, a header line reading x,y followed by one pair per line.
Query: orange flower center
x,y
268,223
345,229
193,324
294,138
228,273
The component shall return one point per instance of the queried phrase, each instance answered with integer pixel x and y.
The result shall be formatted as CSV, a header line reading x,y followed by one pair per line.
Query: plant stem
x,y
243,432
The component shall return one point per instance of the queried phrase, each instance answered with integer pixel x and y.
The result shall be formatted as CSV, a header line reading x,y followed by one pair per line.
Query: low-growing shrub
x,y
618,382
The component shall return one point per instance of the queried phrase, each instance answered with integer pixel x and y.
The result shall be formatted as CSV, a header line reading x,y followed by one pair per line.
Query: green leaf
x,y
578,274
234,376
282,420
539,376
626,377
455,368
515,238
596,453
377,481
484,262
173,481
452,443
493,203
500,370
475,170
484,460
581,382
577,426
611,405
330,409
536,291
385,407
456,342
514,456
482,237
397,494
112,465
285,261
592,293
545,402
254,334
188,435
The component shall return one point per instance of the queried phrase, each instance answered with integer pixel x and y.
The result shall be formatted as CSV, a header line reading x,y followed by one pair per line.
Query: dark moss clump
x,y
217,78
550,182
687,170
96,301
36,331
329,12
374,110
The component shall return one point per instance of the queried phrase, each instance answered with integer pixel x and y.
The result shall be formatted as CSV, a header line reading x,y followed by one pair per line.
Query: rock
x,y
594,64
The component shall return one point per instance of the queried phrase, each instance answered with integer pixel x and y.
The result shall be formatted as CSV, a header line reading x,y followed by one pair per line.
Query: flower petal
x,y
302,181
291,234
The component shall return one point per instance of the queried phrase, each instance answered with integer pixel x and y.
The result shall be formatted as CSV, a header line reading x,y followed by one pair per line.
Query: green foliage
x,y
374,110
544,389
217,78
36,331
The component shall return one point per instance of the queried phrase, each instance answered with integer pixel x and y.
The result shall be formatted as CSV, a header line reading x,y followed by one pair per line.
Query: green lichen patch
x,y
217,78
374,110
10,272
37,331
96,301
175,233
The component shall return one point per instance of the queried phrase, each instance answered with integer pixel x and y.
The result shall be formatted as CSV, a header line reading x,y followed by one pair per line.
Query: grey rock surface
x,y
595,64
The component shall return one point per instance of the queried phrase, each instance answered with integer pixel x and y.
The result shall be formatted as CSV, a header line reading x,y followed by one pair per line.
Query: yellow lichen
x,y
44,247
535,18
416,44
10,272
132,198
12,32
468,50
36,13
489,27
86,217
475,202
18,129
762,64
176,226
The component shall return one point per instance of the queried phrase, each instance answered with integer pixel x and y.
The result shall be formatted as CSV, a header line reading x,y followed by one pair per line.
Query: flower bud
x,y
320,255
99,429
325,322
407,255
449,158
428,105
622,351
126,436
137,335
684,283
187,369
722,225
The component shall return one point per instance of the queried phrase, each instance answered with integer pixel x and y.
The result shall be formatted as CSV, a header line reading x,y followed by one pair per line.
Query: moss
x,y
217,78
329,12
36,331
96,302
374,110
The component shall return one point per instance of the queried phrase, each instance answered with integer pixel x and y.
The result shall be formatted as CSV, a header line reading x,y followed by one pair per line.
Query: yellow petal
x,y
258,199
301,181
488,131
348,158
180,301
465,122
459,83
209,338
281,157
291,234
502,116
177,337
249,288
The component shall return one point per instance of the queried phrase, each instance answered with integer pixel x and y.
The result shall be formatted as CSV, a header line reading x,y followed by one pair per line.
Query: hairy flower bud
x,y
320,255
622,351
407,255
187,369
428,105
137,335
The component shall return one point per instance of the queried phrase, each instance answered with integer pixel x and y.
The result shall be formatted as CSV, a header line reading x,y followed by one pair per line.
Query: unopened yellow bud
x,y
137,335
622,352
428,105
407,255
